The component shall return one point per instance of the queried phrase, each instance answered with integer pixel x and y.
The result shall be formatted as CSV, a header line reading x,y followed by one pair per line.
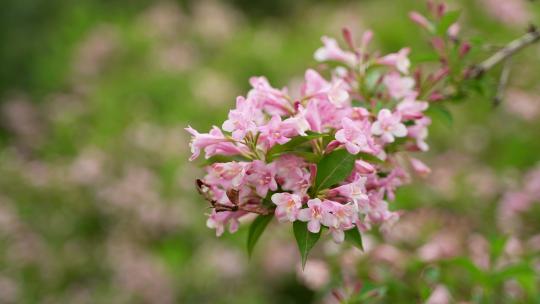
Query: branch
x,y
509,50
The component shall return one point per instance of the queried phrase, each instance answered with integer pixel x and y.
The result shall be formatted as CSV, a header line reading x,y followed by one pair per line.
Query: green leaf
x,y
277,150
305,239
333,168
256,229
354,237
440,112
446,21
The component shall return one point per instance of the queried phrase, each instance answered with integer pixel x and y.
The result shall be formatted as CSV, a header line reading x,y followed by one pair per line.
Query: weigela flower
x,y
355,135
292,173
288,206
227,175
272,100
411,108
399,60
212,143
262,176
399,87
243,119
273,132
316,214
419,132
388,126
355,191
275,144
218,221
332,51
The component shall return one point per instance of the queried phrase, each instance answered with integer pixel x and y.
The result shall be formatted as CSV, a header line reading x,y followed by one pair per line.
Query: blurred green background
x,y
97,199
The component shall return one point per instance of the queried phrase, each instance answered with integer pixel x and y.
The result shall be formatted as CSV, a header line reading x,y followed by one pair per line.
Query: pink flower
x,y
317,87
227,175
388,126
272,100
440,295
421,20
273,132
411,108
292,173
332,51
354,135
453,30
297,124
355,191
345,217
262,176
363,167
244,119
288,206
315,214
399,60
419,131
419,167
399,87
212,143
218,220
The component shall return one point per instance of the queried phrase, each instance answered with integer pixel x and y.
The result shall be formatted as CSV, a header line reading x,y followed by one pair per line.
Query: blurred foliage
x,y
97,203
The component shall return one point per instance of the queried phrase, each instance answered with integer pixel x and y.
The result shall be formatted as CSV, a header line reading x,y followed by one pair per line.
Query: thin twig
x,y
503,82
509,50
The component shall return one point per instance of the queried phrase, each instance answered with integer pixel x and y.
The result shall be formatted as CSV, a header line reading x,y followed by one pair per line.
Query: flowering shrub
x,y
331,156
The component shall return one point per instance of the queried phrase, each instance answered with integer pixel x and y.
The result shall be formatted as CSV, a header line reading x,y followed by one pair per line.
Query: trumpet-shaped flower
x,y
388,126
332,51
212,143
355,136
316,214
399,60
244,119
262,177
288,206
399,87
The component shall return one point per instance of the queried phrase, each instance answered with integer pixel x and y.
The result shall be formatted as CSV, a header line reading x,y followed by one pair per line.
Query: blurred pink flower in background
x,y
439,295
315,275
523,104
512,12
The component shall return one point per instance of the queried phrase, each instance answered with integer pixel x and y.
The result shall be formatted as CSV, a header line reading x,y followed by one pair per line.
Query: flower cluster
x,y
331,155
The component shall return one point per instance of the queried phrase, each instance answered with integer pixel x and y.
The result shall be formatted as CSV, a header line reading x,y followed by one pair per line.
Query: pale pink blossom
x,y
399,87
262,177
212,143
421,20
419,131
273,132
355,136
399,60
354,191
316,86
288,206
332,51
411,108
227,175
316,214
244,119
419,167
272,100
292,173
218,221
297,124
363,167
388,126
345,217
440,295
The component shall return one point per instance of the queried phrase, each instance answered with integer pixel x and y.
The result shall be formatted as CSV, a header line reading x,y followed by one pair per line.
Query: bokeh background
x,y
97,198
